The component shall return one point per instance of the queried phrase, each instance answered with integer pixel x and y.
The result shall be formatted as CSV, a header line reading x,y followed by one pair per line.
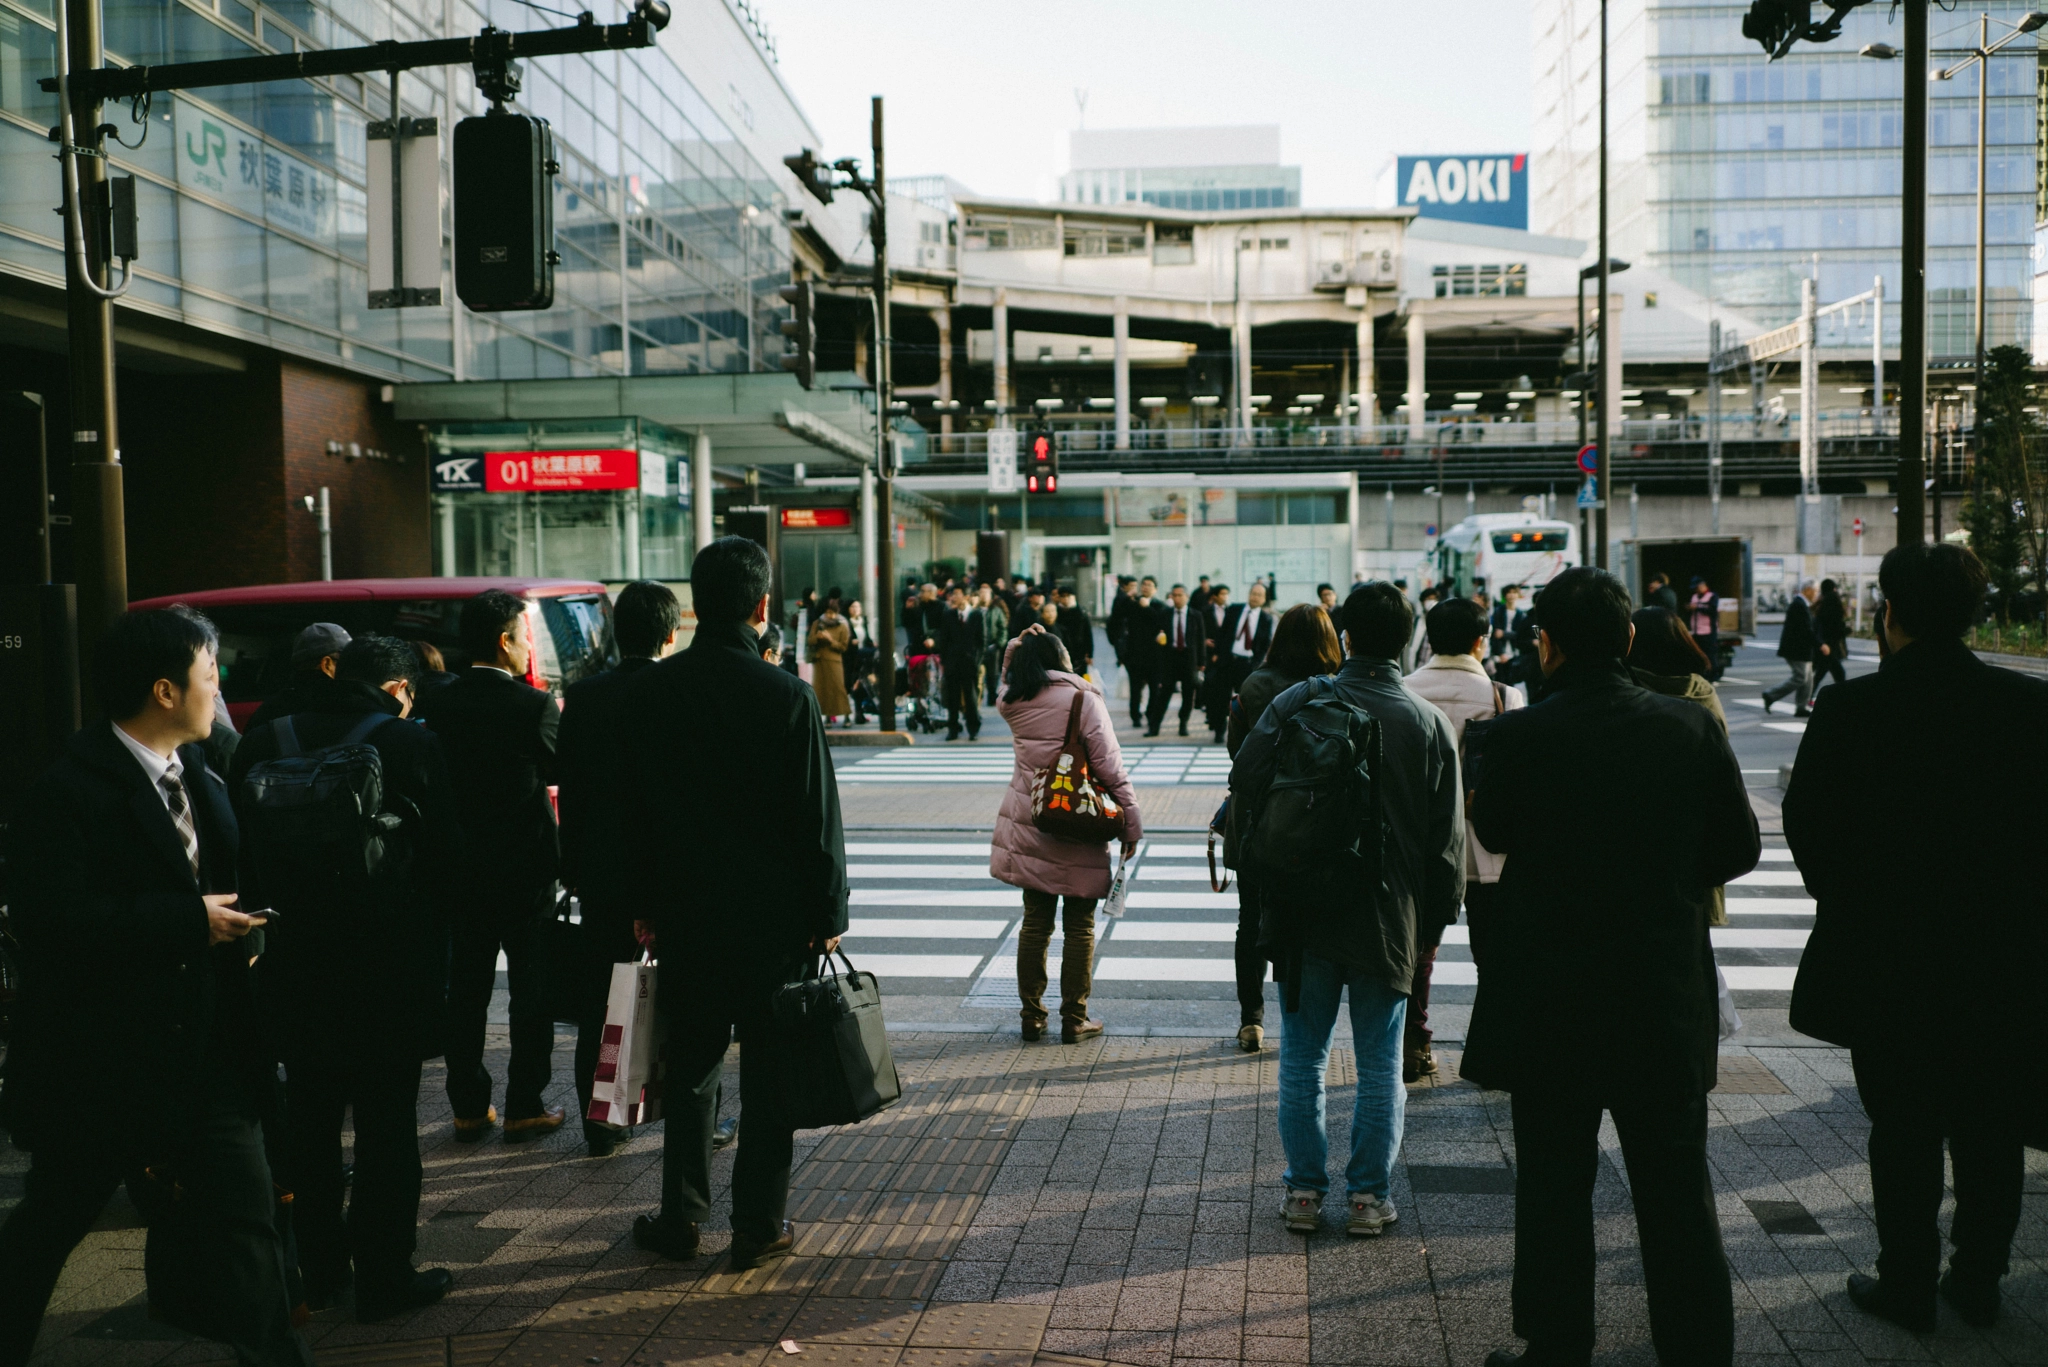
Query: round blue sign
x,y
1589,458
1429,530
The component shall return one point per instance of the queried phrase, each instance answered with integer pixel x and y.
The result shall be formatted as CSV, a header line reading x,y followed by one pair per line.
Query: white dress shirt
x,y
1247,626
154,765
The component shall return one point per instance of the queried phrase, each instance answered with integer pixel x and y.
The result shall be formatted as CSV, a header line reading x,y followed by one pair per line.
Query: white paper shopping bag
x,y
626,1088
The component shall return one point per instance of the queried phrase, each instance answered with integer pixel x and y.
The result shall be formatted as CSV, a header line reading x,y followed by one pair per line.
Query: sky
x,y
984,92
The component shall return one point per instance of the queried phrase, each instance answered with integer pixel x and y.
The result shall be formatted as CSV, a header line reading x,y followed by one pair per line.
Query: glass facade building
x,y
252,199
1740,176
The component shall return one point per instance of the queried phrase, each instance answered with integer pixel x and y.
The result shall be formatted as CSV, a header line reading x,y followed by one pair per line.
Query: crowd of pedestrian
x,y
240,941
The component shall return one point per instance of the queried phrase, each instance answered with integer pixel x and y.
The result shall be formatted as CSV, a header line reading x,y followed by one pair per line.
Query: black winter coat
x,y
1599,931
1798,641
339,983
590,771
1915,812
125,1009
731,811
499,736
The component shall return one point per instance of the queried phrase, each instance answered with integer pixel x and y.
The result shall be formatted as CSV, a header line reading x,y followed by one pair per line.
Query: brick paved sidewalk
x,y
1114,1201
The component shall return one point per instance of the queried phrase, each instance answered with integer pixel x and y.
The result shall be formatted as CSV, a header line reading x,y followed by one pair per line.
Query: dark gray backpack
x,y
315,821
1324,800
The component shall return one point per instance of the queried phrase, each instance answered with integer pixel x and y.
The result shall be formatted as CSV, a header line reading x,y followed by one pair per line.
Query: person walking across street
x,y
136,995
1042,692
1177,662
961,633
1455,681
1241,645
826,647
352,980
1798,646
995,634
730,814
646,621
1831,635
499,734
1576,907
1905,777
1703,621
1304,646
1141,653
1334,931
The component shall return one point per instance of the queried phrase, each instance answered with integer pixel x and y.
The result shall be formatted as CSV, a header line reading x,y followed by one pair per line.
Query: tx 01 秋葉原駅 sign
x,y
518,472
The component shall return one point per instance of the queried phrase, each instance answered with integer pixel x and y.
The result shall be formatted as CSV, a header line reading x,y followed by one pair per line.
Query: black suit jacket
x,y
342,981
960,643
1589,926
123,1002
1797,642
731,812
1075,628
1262,636
499,733
589,771
1184,661
1913,809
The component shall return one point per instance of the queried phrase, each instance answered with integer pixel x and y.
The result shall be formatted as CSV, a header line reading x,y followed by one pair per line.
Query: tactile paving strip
x,y
966,1357
1745,1075
674,1352
471,1350
1001,1328
746,1319
854,1320
546,1348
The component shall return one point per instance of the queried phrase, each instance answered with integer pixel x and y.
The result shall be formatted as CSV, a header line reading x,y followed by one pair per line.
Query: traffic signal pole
x,y
1912,473
885,463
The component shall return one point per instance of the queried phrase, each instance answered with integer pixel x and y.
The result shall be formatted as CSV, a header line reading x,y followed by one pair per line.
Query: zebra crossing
x,y
992,763
926,916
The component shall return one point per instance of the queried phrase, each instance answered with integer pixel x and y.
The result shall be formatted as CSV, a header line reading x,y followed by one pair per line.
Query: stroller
x,y
926,714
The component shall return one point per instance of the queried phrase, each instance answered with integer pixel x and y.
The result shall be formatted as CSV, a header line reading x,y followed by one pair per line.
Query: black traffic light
x,y
1041,461
814,176
505,172
802,330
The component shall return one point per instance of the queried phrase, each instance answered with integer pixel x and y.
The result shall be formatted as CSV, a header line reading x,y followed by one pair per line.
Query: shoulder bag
x,y
1066,802
836,1067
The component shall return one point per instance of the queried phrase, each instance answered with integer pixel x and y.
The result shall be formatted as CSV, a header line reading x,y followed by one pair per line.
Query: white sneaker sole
x,y
1298,1223
1369,1230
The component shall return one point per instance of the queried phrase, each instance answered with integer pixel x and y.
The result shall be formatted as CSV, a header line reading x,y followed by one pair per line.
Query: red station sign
x,y
816,519
518,472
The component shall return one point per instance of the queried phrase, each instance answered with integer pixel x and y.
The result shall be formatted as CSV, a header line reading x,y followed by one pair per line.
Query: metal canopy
x,y
752,419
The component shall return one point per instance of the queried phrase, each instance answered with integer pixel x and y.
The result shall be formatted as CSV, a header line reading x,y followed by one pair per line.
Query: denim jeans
x,y
1378,1014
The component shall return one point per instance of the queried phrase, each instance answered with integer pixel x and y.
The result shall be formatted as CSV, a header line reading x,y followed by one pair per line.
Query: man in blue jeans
x,y
1347,939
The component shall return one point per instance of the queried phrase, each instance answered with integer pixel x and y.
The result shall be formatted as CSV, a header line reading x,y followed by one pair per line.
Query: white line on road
x,y
920,928
919,965
1770,878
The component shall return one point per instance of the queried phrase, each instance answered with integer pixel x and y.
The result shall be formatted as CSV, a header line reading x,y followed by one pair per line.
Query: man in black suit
x,y
732,810
646,620
1575,906
499,732
1238,647
1179,644
1141,645
352,982
1076,629
1929,952
958,633
1799,646
136,1053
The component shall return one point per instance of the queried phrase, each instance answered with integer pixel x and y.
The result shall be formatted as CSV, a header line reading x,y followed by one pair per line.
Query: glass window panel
x,y
28,51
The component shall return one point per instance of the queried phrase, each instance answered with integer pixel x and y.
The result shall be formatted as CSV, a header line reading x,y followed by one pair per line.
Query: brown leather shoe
x,y
1074,1034
470,1131
533,1126
746,1254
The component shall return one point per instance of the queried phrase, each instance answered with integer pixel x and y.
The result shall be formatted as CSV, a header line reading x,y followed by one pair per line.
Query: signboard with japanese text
x,y
1002,460
218,159
562,472
816,519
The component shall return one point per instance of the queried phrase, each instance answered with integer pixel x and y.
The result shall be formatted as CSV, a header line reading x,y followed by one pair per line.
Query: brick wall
x,y
382,508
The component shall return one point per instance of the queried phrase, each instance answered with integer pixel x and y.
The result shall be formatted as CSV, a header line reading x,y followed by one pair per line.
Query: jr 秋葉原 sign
x,y
216,158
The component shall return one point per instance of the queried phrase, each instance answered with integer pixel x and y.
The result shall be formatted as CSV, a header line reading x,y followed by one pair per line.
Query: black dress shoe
x,y
1873,1297
1972,1298
676,1241
1032,1033
419,1290
748,1254
601,1140
726,1133
1152,731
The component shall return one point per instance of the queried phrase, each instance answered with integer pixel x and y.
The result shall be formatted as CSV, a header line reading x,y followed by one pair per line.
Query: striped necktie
x,y
181,815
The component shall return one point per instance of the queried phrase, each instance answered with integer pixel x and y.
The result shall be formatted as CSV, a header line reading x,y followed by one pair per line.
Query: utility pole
x,y
1913,283
885,469
99,554
1608,401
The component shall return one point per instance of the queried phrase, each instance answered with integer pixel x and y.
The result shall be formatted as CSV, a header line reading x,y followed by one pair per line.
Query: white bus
x,y
1495,550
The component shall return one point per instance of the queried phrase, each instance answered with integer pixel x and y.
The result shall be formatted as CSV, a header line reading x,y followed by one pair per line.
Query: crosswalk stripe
x,y
887,966
918,928
1128,930
978,872
1770,906
1136,969
1770,878
935,850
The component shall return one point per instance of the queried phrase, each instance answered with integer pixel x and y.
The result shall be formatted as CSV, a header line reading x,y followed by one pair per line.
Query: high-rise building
x,y
1739,176
1181,168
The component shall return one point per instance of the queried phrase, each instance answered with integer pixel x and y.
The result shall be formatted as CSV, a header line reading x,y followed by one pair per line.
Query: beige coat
x,y
1459,687
828,642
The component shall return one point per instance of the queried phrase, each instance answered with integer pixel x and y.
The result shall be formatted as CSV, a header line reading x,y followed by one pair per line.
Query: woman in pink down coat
x,y
1039,685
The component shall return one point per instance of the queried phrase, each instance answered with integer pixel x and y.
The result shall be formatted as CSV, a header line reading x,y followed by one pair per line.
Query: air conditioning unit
x,y
1335,273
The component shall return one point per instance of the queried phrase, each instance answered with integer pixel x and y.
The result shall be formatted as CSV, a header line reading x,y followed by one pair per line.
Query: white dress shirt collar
x,y
153,764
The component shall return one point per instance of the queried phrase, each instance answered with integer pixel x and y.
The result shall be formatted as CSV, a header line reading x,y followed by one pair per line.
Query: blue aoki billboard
x,y
1491,189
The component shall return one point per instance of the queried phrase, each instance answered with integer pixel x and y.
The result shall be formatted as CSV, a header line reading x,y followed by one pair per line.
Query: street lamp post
x,y
1608,402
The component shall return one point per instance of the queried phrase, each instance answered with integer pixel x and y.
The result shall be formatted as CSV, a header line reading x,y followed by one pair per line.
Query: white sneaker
x,y
1302,1211
1369,1215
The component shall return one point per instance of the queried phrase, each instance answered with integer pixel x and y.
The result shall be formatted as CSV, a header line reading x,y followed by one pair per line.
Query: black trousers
x,y
698,1036
1170,675
1251,961
613,943
960,687
377,1234
1829,666
992,666
472,973
1139,676
1557,1141
228,1189
1225,675
1910,1115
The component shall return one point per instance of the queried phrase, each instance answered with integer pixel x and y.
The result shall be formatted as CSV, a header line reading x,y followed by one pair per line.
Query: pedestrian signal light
x,y
1043,462
801,329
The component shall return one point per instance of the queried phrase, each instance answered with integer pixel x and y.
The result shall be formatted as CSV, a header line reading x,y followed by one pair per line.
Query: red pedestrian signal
x,y
1042,461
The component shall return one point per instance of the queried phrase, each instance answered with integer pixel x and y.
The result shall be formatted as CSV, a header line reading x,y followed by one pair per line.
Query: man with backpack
x,y
1455,681
1357,830
349,833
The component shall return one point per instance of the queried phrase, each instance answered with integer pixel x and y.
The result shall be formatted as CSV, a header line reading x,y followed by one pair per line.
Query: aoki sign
x,y
1490,189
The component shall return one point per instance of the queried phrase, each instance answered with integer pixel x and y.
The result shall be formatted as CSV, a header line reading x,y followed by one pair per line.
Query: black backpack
x,y
1324,801
316,822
